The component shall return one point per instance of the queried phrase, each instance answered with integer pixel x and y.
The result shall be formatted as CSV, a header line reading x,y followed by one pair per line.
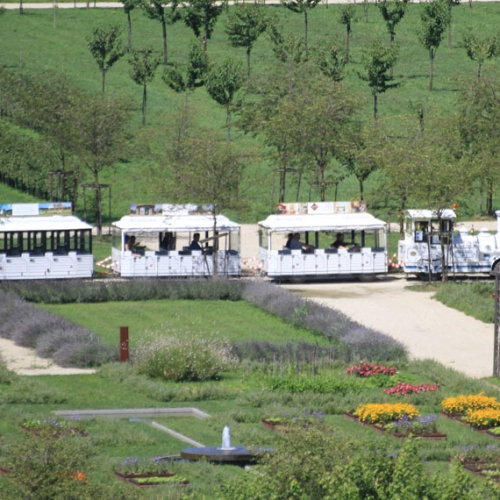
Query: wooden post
x,y
123,344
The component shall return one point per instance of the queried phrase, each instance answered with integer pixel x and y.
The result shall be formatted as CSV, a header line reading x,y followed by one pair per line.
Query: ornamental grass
x,y
464,403
385,412
483,418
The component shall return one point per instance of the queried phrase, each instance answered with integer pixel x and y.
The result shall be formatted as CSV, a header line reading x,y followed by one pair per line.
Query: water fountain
x,y
227,454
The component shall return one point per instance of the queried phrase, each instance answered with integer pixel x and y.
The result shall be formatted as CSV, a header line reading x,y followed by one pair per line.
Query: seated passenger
x,y
296,244
167,242
195,243
339,242
355,248
289,239
131,246
130,243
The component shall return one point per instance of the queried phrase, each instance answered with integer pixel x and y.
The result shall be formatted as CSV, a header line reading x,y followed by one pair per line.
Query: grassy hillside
x,y
38,41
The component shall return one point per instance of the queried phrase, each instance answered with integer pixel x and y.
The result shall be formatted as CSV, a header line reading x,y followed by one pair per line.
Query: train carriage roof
x,y
430,214
42,223
323,222
174,223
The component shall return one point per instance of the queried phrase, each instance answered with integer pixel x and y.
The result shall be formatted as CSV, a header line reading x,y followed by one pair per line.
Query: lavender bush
x,y
65,291
354,340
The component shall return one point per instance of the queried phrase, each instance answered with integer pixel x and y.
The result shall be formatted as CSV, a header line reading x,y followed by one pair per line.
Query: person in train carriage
x,y
289,239
296,244
195,245
168,242
339,242
130,243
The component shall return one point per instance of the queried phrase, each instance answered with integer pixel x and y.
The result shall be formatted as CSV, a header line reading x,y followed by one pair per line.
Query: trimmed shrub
x,y
65,291
355,340
85,354
183,356
267,352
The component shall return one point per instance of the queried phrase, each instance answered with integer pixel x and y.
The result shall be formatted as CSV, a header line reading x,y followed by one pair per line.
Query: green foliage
x,y
183,356
105,47
194,77
393,12
244,26
480,49
377,61
143,65
201,16
323,384
331,59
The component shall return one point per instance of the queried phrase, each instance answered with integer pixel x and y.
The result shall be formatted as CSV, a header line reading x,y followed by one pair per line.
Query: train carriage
x,y
163,241
37,245
318,224
429,233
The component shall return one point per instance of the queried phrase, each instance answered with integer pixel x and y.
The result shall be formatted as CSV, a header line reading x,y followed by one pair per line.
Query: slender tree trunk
x,y
282,185
129,34
99,203
470,4
361,189
21,11
248,61
347,44
103,81
391,74
298,187
479,71
205,34
164,31
144,99
489,199
375,106
336,191
305,27
228,123
431,72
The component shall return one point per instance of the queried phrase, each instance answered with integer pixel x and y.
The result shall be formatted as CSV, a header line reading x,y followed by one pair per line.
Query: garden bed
x,y
158,481
129,476
436,436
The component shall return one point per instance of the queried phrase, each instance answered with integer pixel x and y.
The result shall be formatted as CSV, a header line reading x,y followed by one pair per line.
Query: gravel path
x,y
427,327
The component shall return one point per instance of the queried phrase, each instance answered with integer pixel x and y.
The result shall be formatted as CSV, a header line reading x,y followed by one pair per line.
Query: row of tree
x,y
75,131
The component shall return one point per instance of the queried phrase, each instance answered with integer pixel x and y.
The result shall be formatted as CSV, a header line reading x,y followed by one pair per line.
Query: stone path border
x,y
141,415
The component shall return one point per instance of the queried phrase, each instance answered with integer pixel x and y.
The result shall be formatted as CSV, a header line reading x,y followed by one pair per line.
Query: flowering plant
x,y
56,427
138,466
476,452
404,389
419,425
385,412
365,369
485,417
462,403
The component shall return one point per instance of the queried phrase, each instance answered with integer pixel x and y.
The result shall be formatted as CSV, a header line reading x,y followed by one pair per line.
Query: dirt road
x,y
428,328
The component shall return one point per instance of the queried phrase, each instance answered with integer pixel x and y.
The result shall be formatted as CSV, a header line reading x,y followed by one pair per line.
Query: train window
x,y
263,239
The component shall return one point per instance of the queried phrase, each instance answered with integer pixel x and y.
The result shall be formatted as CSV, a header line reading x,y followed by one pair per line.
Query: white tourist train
x,y
427,232
35,244
157,240
340,240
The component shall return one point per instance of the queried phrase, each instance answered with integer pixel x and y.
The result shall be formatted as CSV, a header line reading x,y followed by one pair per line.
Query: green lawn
x,y
235,321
